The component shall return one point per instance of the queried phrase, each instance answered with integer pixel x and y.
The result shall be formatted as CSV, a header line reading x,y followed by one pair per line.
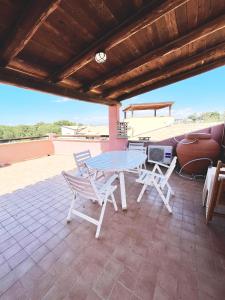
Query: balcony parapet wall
x,y
15,152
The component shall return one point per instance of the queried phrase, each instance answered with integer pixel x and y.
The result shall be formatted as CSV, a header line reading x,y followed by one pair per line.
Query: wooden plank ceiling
x,y
49,45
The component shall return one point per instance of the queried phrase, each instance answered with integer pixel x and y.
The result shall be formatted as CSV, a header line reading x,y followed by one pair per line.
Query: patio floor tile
x,y
144,253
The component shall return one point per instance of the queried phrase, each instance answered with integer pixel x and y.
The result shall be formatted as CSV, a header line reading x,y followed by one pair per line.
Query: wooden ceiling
x,y
49,45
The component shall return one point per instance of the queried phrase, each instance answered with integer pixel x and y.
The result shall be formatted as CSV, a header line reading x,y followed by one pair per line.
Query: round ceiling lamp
x,y
100,57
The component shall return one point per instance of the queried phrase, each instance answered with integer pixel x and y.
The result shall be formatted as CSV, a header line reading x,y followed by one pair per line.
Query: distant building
x,y
143,127
85,130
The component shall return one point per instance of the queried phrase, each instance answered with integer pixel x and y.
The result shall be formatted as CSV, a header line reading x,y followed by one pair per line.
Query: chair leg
x,y
68,219
114,202
142,192
204,195
170,189
164,199
172,192
100,219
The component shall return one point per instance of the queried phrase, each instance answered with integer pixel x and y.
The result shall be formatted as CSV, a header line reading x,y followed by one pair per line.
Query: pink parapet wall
x,y
65,147
69,146
15,152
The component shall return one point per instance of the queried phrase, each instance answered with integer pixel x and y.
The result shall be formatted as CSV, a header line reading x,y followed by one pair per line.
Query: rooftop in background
x,y
98,130
148,106
50,46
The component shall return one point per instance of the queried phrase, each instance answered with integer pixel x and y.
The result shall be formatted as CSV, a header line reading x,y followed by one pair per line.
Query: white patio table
x,y
117,161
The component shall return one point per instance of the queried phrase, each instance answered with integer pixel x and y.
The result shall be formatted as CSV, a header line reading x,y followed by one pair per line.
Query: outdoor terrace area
x,y
105,52
143,253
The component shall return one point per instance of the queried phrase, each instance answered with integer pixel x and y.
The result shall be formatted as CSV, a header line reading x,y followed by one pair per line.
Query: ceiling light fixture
x,y
100,57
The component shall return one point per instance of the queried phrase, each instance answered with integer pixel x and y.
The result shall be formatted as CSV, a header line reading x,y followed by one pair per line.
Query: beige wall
x,y
143,126
15,152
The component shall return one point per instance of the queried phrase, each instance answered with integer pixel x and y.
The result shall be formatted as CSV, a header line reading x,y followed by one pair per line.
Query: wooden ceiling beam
x,y
32,18
28,67
8,76
145,16
201,57
199,33
173,79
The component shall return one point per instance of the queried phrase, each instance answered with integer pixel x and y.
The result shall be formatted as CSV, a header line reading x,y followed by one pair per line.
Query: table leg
x,y
122,190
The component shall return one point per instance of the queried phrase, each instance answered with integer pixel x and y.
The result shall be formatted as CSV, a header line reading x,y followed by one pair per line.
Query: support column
x,y
114,117
115,143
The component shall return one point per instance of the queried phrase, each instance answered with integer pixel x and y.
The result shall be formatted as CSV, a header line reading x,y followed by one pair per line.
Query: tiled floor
x,y
143,253
33,171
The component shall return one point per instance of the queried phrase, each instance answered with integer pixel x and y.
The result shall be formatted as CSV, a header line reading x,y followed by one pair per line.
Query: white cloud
x,y
62,99
182,113
94,120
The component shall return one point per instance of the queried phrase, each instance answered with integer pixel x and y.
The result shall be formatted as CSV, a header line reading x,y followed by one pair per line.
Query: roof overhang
x,y
50,45
148,106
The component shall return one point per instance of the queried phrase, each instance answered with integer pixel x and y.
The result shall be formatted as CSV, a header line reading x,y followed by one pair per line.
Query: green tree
x,y
64,122
193,117
38,129
222,117
210,116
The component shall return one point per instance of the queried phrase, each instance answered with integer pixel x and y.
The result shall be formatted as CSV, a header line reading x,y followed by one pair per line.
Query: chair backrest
x,y
218,189
80,159
84,187
169,170
137,147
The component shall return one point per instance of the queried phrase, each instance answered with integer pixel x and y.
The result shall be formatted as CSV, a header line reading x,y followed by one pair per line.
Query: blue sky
x,y
205,92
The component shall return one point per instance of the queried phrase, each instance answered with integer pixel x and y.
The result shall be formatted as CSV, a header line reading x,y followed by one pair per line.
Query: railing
x,y
85,137
122,128
30,138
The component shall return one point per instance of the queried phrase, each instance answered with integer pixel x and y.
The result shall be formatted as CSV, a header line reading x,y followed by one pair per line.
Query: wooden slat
x,y
194,35
21,80
34,15
145,16
168,70
28,67
173,79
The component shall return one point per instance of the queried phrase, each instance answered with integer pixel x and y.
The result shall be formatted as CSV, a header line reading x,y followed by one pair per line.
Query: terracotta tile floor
x,y
143,253
33,171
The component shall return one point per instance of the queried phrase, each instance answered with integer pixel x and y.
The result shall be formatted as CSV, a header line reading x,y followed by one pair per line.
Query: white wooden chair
x,y
88,188
137,147
214,191
159,180
83,170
